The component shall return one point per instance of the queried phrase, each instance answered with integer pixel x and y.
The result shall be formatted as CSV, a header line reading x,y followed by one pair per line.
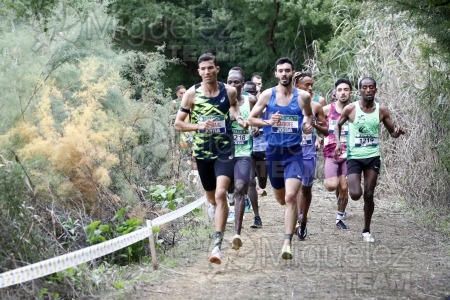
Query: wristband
x,y
240,117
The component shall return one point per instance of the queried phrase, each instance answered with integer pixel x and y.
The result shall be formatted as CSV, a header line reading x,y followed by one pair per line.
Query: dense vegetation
x,y
86,140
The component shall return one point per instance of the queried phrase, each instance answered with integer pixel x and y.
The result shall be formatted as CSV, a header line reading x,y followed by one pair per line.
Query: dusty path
x,y
405,262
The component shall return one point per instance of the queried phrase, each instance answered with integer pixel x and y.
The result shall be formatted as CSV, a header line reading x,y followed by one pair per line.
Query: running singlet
x,y
242,138
309,144
288,132
316,98
330,140
209,144
364,134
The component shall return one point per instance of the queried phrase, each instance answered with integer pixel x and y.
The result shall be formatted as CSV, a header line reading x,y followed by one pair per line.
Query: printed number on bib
x,y
218,125
344,129
366,141
241,137
307,139
287,124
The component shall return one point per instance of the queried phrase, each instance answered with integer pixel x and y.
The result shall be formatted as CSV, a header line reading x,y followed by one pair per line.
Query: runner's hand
x,y
275,118
338,150
206,125
243,124
255,131
307,128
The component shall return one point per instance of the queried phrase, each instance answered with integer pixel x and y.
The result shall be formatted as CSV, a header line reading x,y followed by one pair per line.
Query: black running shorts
x,y
356,166
210,169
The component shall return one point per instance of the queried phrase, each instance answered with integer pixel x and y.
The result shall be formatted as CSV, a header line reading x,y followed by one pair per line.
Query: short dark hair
x,y
207,57
179,87
250,83
238,69
343,80
368,78
283,60
300,75
256,76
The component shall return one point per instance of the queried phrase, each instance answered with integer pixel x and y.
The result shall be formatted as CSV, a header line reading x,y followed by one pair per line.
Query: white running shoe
x,y
211,210
231,217
216,256
237,242
367,237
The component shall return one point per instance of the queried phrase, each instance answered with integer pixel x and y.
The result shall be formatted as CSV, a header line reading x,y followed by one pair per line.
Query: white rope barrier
x,y
75,258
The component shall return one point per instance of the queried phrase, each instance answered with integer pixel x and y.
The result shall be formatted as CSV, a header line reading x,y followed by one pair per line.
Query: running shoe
x,y
231,217
237,242
211,210
302,235
261,192
286,252
230,198
248,205
257,223
216,256
341,225
367,237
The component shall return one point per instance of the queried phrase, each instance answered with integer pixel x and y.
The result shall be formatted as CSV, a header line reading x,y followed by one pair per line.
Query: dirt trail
x,y
405,262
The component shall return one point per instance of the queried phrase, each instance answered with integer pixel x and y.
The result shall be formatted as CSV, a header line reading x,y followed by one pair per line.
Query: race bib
x,y
287,124
241,137
218,125
344,129
366,140
307,139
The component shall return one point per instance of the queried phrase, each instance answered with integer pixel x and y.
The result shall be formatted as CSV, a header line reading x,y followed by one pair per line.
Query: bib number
x,y
307,139
288,124
366,141
218,125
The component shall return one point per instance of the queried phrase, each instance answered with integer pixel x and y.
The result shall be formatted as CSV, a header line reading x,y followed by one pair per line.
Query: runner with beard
x,y
286,108
335,167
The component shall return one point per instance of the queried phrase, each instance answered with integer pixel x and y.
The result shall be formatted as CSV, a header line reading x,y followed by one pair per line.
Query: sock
x,y
288,236
366,230
218,237
339,216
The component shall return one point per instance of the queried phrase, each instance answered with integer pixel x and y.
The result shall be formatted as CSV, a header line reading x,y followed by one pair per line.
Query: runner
x,y
242,153
335,168
258,164
308,83
256,79
210,104
304,82
282,125
363,147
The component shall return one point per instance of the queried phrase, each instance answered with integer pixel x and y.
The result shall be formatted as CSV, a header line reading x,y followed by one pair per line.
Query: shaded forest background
x,y
87,147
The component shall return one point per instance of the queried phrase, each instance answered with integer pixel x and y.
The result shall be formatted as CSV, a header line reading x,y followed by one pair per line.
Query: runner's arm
x,y
385,117
304,101
320,125
181,119
254,118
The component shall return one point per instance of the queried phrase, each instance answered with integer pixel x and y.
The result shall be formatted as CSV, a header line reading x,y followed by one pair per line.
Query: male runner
x,y
258,164
335,168
307,83
210,104
256,79
242,153
363,146
283,129
304,82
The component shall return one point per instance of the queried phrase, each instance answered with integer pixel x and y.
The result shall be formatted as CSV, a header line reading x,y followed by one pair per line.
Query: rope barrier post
x,y
151,238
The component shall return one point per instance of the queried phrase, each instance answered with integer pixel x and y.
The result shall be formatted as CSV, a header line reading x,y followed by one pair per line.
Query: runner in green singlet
x,y
242,152
363,148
